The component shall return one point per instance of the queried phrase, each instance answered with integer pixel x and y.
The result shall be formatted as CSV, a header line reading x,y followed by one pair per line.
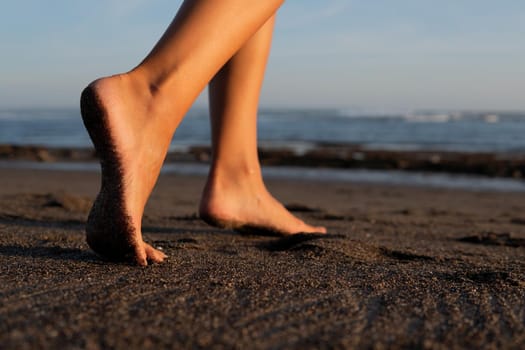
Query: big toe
x,y
316,229
141,257
320,229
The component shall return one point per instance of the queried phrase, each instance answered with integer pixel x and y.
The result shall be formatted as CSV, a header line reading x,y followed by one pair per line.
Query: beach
x,y
401,267
393,137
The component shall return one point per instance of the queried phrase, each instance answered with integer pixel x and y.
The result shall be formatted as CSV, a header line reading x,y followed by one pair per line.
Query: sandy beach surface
x,y
401,267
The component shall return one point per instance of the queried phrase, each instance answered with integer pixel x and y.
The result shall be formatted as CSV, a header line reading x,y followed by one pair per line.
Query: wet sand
x,y
401,267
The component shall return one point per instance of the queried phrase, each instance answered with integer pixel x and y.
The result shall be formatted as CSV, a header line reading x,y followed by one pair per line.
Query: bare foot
x,y
247,206
131,148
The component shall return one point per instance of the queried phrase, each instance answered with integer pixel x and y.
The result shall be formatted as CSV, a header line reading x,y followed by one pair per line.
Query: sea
x,y
300,129
304,129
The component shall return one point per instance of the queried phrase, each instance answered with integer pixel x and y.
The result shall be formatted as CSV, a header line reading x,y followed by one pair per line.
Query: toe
x,y
320,229
140,256
154,255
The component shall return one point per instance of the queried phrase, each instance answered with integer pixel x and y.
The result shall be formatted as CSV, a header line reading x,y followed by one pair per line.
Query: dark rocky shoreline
x,y
508,165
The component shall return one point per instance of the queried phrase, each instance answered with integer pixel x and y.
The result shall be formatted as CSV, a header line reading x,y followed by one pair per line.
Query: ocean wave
x,y
379,113
433,118
430,116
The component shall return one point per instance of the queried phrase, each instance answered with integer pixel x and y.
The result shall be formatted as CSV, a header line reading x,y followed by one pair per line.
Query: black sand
x,y
401,268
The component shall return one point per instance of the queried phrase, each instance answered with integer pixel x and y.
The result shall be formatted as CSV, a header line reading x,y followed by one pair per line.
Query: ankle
x,y
138,82
236,173
150,86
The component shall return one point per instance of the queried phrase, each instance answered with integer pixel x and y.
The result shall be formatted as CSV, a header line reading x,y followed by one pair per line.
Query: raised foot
x,y
113,230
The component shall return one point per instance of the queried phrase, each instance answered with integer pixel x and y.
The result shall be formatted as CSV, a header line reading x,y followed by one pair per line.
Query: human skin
x,y
235,195
131,118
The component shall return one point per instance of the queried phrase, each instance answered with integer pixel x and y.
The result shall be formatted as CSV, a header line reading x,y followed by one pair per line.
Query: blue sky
x,y
380,54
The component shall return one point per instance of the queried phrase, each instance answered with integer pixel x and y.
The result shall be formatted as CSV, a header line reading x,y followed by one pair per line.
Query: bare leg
x,y
131,117
235,196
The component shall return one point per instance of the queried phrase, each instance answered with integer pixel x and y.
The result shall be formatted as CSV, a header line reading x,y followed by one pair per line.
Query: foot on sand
x,y
246,206
131,150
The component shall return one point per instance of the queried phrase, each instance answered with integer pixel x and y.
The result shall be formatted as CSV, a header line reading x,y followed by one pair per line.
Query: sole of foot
x,y
110,229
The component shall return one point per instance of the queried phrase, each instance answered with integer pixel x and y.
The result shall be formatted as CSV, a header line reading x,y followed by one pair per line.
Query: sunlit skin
x,y
131,119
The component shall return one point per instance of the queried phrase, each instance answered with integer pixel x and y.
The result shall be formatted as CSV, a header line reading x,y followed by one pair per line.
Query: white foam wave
x,y
428,118
370,113
491,118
